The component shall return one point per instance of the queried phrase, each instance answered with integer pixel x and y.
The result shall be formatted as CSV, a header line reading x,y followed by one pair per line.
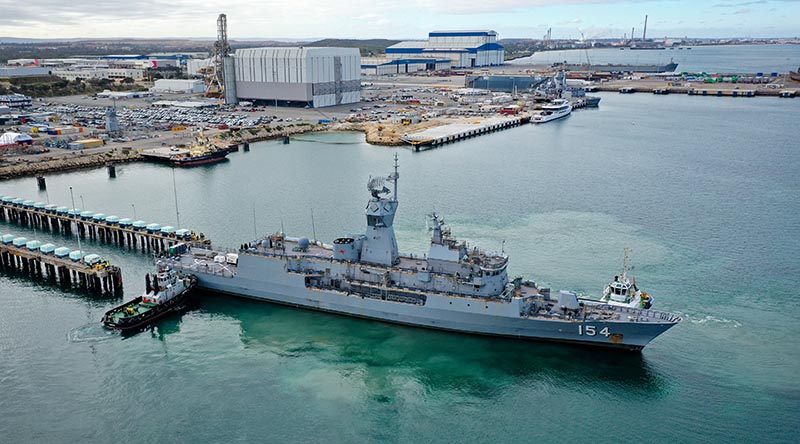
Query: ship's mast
x,y
393,178
380,245
625,261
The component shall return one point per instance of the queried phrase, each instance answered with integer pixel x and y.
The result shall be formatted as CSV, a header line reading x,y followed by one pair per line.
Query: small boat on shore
x,y
166,293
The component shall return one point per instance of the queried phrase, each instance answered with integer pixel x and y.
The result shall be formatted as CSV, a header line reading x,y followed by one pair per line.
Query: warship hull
x,y
266,279
669,67
453,287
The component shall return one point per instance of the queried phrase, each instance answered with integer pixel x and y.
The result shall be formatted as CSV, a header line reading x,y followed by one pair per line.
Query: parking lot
x,y
145,124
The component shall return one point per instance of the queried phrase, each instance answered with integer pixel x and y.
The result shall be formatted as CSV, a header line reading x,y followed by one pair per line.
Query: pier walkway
x,y
139,238
433,137
93,278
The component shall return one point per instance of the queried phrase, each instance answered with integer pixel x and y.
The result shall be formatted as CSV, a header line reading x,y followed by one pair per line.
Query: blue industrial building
x,y
384,66
465,49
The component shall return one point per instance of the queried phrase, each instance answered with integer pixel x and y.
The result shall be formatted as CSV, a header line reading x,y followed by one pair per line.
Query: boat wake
x,y
712,319
92,332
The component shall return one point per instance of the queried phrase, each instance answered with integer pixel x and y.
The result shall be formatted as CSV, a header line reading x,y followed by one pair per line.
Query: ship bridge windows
x,y
375,221
488,273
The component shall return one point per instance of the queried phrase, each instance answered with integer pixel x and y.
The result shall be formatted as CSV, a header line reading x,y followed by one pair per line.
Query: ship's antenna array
x,y
313,227
625,260
394,176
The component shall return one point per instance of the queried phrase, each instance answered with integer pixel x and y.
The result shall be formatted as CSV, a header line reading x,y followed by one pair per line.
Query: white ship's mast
x,y
625,262
393,178
380,244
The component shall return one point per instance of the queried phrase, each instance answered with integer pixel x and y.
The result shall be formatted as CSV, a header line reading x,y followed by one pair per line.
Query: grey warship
x,y
453,287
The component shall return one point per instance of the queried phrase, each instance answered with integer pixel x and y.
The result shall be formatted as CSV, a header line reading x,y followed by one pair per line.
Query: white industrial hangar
x,y
310,76
464,48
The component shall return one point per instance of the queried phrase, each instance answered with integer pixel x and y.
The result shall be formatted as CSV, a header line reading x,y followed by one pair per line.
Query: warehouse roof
x,y
296,51
463,33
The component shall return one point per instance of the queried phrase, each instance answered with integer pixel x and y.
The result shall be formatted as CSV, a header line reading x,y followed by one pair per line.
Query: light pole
x,y
134,211
83,205
175,191
72,196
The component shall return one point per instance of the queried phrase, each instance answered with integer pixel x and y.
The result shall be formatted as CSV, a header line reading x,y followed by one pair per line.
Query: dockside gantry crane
x,y
215,83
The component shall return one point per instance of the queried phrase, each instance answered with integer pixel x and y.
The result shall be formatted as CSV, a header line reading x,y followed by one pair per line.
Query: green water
x,y
703,189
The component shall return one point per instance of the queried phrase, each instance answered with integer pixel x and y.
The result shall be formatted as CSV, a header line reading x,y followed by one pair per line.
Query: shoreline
x,y
46,165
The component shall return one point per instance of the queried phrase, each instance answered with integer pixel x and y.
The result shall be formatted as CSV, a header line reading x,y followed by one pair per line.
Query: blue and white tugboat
x,y
454,287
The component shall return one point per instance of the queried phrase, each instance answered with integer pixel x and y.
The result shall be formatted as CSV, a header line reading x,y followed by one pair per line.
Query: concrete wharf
x,y
92,278
695,89
433,137
110,233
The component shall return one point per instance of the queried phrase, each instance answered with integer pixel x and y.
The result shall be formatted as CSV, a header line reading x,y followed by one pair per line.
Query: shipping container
x,y
90,143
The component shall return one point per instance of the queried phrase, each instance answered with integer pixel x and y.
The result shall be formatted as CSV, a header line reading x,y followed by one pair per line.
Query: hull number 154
x,y
590,330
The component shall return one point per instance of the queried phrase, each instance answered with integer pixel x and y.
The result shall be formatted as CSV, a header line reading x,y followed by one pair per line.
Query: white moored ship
x,y
453,287
557,109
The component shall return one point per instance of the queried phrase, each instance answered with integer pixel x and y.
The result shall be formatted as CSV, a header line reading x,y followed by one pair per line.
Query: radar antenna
x,y
376,186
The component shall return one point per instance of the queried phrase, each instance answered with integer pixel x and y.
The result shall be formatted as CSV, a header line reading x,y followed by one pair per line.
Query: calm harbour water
x,y
703,189
746,59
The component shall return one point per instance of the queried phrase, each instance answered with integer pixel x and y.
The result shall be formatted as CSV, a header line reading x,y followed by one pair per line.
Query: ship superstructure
x,y
623,290
453,287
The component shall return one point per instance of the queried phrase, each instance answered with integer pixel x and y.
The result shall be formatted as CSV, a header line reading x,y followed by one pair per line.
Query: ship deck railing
x,y
642,313
505,296
208,267
403,265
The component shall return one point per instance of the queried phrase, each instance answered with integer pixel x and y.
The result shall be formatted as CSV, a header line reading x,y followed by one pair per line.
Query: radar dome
x,y
302,243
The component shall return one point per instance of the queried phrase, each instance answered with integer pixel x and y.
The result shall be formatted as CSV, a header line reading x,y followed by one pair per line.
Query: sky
x,y
397,19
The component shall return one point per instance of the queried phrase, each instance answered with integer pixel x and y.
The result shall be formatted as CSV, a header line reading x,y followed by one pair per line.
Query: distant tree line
x,y
52,86
57,50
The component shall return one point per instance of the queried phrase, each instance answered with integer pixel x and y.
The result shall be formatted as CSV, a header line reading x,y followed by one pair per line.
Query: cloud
x,y
354,18
739,4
